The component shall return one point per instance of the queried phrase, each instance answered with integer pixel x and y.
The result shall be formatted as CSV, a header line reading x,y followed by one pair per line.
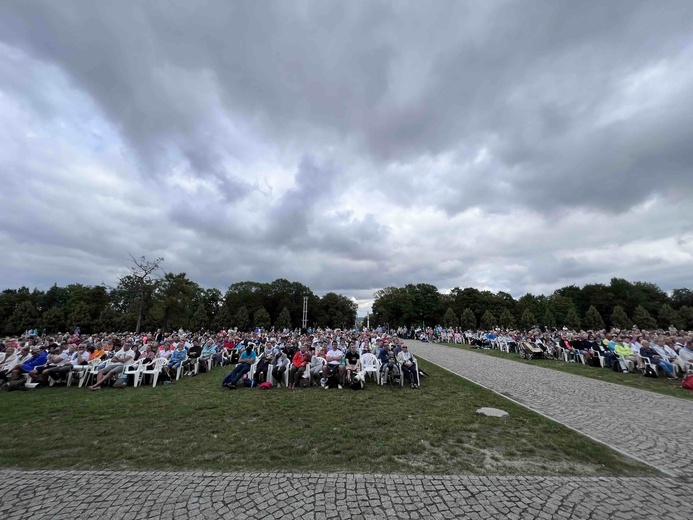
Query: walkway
x,y
71,495
652,427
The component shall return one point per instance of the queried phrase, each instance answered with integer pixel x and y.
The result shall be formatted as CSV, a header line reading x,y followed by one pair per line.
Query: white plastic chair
x,y
370,365
134,370
153,369
646,362
89,371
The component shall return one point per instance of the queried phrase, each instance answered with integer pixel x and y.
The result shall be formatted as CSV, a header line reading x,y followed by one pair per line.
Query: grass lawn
x,y
660,385
195,424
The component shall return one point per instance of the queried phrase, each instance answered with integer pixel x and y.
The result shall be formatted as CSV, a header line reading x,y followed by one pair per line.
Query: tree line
x,y
146,300
620,304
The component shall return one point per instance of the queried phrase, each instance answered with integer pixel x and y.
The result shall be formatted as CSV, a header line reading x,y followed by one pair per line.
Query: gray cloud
x,y
347,145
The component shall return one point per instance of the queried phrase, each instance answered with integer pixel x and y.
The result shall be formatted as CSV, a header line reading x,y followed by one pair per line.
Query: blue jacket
x,y
35,361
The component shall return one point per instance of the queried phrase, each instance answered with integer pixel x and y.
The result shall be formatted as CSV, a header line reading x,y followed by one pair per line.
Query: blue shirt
x,y
35,361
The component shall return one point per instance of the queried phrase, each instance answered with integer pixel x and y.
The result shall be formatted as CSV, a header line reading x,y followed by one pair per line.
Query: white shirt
x,y
128,354
334,357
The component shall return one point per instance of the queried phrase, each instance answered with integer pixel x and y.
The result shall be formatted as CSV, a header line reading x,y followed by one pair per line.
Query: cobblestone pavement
x,y
55,495
652,427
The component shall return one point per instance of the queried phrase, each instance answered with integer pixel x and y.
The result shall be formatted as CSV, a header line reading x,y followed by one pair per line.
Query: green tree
x,y
593,320
283,321
53,320
668,317
488,321
223,318
686,314
450,318
527,320
241,319
261,318
643,319
620,319
108,321
173,299
200,318
572,320
468,320
24,317
79,317
339,311
549,319
507,320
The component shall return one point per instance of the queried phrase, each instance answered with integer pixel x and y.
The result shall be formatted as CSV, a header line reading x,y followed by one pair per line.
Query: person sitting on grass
x,y
245,361
115,366
408,364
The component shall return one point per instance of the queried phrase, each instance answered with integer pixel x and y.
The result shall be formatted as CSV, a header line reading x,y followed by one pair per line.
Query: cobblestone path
x,y
652,427
76,495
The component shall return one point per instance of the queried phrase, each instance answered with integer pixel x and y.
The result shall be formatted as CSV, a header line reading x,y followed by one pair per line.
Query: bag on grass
x,y
265,386
649,371
687,382
16,384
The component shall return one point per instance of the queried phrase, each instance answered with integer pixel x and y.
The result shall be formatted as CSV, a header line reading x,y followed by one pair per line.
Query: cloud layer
x,y
350,146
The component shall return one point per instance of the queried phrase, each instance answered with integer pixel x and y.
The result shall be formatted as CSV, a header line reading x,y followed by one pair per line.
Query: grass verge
x,y
195,424
661,385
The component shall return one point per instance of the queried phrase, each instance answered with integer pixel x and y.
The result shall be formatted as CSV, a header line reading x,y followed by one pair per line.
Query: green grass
x,y
661,385
195,424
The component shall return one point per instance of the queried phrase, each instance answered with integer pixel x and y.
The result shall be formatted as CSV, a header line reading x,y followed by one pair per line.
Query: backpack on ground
x,y
649,371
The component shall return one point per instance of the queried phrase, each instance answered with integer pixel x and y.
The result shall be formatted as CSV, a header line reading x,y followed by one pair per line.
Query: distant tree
x,y
53,320
668,317
24,317
572,320
488,320
173,299
593,320
620,319
261,318
686,314
549,319
468,320
241,319
527,320
450,318
79,318
200,318
223,318
507,320
140,282
283,321
643,319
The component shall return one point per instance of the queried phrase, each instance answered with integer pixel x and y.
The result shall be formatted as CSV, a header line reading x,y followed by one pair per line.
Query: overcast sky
x,y
505,145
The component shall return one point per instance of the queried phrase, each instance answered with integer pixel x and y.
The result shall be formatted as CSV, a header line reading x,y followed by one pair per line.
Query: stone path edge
x,y
622,452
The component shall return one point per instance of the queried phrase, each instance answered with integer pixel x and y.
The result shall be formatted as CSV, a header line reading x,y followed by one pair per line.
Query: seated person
x,y
333,368
352,363
409,368
39,357
115,366
281,364
316,364
177,357
646,351
194,354
209,350
299,364
57,360
245,361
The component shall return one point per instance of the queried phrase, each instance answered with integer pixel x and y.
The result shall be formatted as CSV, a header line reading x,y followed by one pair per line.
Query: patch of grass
x,y
661,385
195,424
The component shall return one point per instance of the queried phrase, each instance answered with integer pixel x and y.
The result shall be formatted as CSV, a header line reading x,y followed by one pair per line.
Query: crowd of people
x,y
620,350
325,358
